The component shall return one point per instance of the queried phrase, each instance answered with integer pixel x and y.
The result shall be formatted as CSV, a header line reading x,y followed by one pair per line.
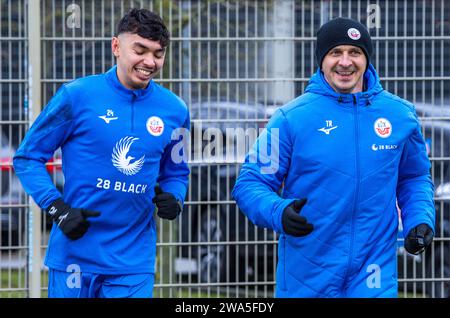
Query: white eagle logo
x,y
121,160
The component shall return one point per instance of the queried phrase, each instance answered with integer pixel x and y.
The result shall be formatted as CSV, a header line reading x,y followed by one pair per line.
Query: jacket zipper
x,y
355,204
132,112
284,269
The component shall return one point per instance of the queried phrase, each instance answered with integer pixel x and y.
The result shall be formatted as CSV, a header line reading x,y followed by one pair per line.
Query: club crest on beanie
x,y
342,31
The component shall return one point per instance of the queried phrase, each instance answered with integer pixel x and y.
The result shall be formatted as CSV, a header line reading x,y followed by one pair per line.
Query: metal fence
x,y
233,62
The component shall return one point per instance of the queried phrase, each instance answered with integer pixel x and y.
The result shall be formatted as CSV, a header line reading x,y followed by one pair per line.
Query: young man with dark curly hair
x,y
119,159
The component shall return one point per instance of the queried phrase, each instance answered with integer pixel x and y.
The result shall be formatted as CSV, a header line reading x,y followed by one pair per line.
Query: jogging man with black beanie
x,y
346,152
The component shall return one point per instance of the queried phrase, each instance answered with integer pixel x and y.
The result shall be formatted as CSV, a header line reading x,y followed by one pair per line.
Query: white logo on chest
x,y
109,116
122,161
382,127
155,126
328,127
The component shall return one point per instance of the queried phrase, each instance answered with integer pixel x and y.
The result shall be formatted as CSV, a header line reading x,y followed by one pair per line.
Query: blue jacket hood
x,y
319,85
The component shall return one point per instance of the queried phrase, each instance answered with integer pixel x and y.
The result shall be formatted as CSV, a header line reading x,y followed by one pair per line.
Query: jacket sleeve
x,y
174,171
50,130
415,188
262,174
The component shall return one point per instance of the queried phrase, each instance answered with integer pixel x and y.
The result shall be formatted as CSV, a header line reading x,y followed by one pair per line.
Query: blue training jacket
x,y
116,144
353,156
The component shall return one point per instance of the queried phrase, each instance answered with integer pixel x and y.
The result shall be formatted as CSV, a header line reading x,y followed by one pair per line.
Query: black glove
x,y
71,221
418,239
293,223
168,206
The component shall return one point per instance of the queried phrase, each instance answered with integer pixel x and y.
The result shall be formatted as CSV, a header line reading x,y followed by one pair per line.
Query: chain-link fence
x,y
233,62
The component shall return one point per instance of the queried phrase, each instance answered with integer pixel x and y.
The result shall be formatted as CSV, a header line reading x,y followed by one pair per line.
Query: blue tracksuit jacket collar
x,y
113,80
319,85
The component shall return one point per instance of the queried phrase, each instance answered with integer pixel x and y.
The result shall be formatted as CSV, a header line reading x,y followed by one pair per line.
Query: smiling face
x,y
344,67
138,59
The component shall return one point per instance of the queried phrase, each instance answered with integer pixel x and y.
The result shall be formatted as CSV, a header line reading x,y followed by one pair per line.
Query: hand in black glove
x,y
72,221
293,223
168,206
418,239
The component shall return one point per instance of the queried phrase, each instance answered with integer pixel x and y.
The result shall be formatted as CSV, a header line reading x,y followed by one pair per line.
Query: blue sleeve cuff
x,y
408,226
278,214
177,188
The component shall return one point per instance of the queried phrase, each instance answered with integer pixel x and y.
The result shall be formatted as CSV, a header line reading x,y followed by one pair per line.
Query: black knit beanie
x,y
342,31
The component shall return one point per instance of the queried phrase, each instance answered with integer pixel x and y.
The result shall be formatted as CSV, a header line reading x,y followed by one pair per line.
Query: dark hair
x,y
146,24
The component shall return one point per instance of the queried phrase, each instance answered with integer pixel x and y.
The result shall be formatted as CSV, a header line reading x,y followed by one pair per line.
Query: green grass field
x,y
13,285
